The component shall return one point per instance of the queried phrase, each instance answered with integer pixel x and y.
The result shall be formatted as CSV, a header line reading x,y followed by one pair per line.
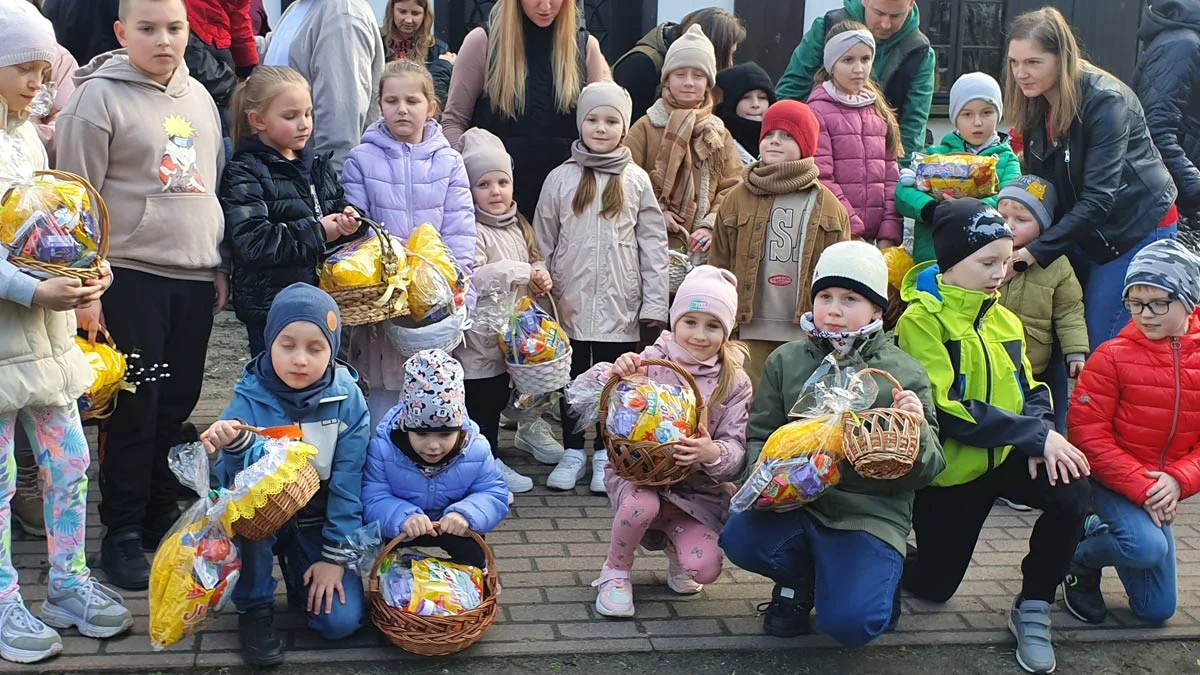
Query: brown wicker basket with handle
x,y
104,402
378,302
435,635
646,463
58,270
881,443
281,507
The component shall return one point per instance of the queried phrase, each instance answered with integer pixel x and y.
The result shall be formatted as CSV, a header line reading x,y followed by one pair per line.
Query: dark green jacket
x,y
882,508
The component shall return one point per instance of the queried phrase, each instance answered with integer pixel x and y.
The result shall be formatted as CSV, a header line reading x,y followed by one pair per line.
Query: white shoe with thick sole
x,y
570,469
537,439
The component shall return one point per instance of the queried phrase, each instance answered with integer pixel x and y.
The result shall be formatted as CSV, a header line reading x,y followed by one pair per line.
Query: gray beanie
x,y
975,87
1166,264
483,152
693,49
604,92
1034,194
25,35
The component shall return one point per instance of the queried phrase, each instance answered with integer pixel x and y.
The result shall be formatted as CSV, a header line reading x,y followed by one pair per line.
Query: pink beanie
x,y
710,290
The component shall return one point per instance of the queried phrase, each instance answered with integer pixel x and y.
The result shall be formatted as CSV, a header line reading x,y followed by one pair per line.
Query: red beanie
x,y
798,120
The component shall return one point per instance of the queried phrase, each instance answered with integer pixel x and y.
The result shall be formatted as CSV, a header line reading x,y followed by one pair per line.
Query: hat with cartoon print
x,y
963,226
433,398
1168,265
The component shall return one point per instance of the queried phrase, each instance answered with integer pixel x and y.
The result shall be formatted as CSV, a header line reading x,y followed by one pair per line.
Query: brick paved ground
x,y
552,547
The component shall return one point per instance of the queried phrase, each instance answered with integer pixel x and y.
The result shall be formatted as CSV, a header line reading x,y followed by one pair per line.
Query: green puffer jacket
x,y
1049,302
973,349
912,203
882,508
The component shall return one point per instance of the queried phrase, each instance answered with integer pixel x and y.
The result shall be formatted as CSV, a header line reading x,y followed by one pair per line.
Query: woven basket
x,y
646,463
435,635
55,269
881,443
104,405
281,507
678,266
372,304
896,307
542,378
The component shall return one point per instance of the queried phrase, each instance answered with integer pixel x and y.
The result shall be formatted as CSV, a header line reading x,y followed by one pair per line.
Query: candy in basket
x,y
359,264
537,352
437,287
956,175
642,410
430,586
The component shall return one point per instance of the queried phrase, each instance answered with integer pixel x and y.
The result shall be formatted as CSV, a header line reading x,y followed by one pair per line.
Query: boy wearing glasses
x,y
1136,415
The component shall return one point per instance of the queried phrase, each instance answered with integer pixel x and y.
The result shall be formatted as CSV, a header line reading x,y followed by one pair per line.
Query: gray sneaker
x,y
24,639
95,609
1029,621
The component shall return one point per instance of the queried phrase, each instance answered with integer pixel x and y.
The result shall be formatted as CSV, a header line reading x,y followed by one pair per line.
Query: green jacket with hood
x,y
973,349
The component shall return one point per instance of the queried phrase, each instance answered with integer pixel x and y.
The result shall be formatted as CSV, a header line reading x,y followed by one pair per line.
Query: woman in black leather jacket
x,y
1085,132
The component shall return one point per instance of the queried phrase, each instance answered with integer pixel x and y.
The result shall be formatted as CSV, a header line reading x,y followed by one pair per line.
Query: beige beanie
x,y
692,50
483,153
604,92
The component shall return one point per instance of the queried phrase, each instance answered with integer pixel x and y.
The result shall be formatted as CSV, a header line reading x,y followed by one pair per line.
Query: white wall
x,y
674,10
818,8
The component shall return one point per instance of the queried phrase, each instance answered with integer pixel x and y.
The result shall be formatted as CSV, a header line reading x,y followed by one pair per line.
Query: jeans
x,y
1143,553
855,573
298,548
1104,286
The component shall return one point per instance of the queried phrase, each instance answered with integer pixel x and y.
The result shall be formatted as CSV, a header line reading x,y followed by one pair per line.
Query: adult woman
x,y
1085,132
408,34
520,79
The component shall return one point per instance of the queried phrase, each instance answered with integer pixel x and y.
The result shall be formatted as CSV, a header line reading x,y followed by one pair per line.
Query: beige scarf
x,y
782,178
689,132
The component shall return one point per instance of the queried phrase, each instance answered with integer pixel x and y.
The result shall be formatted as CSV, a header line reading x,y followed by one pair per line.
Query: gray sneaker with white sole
x,y
23,638
95,609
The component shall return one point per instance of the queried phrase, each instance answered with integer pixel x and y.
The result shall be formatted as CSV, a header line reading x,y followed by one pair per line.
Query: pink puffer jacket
x,y
852,156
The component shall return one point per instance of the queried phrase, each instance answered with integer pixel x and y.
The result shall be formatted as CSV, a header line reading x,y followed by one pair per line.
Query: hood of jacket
x,y
433,141
115,65
1165,15
923,284
345,382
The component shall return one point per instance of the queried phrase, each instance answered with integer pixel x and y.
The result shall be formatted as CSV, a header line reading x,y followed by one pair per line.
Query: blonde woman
x,y
408,34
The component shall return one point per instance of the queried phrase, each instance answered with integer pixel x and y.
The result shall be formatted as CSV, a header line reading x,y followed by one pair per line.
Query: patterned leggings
x,y
695,546
62,456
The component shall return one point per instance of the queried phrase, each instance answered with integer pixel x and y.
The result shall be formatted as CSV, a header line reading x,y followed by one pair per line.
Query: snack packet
x,y
531,335
442,588
640,409
360,263
786,484
957,175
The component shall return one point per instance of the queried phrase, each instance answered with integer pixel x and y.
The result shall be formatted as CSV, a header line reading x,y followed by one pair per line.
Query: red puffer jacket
x,y
225,24
1137,409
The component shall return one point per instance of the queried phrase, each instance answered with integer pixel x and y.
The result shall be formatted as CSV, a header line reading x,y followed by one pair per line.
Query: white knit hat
x,y
693,49
604,92
975,87
25,35
856,266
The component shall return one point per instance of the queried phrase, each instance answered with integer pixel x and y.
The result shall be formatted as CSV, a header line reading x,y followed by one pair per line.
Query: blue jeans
x,y
1142,553
1103,289
298,548
856,574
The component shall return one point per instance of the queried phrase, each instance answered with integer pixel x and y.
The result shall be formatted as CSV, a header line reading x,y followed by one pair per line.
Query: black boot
x,y
260,645
787,614
1082,595
156,527
123,560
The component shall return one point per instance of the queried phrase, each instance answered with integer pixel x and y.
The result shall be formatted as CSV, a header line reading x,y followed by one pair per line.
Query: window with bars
x,y
966,36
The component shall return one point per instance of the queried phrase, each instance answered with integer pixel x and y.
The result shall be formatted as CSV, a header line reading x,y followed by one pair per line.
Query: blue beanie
x,y
303,302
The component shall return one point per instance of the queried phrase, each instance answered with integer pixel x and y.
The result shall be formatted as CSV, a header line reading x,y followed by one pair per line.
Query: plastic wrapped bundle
x,y
958,175
642,410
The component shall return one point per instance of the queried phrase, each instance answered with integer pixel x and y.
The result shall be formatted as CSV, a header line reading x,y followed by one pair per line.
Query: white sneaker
x,y
537,439
506,422
511,498
515,481
23,638
599,463
570,469
95,609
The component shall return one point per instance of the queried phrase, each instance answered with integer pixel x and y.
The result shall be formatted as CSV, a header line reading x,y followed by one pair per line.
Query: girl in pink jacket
x,y
687,518
859,140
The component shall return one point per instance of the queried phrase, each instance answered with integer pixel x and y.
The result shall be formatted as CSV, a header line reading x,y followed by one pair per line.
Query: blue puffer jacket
x,y
394,487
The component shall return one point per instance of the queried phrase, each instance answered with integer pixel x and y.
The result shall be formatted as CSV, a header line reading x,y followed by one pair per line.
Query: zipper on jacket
x,y
1070,178
312,191
1162,456
987,368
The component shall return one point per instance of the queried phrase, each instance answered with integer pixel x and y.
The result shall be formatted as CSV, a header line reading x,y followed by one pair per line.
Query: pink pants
x,y
695,546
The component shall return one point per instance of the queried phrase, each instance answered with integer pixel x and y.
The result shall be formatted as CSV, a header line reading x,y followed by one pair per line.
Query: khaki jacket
x,y
1049,301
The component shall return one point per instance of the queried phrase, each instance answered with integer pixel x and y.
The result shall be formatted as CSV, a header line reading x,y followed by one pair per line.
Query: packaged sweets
x,y
360,263
804,437
531,335
51,220
785,484
430,586
437,287
958,175
642,410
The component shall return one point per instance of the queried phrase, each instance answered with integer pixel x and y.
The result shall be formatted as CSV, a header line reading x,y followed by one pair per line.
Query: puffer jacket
x,y
1049,303
852,155
394,487
705,495
225,24
272,219
75,25
1168,70
608,274
1136,408
1113,188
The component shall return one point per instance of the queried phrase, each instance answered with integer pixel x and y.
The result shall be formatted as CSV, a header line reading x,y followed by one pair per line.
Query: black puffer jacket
x,y
84,27
1113,188
1167,81
275,231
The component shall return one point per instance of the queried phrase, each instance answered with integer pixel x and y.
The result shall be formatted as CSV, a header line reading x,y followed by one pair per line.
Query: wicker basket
x,y
281,507
646,463
881,443
896,307
57,270
373,304
678,266
435,635
103,406
542,378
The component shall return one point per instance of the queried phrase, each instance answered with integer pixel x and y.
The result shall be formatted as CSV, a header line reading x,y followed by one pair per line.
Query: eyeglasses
x,y
1156,307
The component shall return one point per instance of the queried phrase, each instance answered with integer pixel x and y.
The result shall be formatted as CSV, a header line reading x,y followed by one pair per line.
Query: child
x,y
602,233
686,518
298,380
282,205
974,351
148,137
859,140
507,266
428,463
43,374
802,218
1134,416
692,159
976,108
746,93
405,174
847,548
408,34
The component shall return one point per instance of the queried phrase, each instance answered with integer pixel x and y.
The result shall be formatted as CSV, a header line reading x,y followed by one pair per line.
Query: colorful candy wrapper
x,y
957,175
531,335
429,586
640,409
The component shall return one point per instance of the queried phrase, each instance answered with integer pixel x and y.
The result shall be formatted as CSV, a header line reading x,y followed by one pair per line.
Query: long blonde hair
x,y
255,94
731,357
585,193
885,111
1048,29
424,39
508,69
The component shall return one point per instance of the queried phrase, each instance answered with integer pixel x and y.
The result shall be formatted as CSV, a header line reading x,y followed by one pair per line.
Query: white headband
x,y
839,44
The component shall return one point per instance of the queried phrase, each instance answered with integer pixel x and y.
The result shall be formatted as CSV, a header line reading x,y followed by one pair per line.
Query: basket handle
x,y
882,373
97,203
701,408
492,576
290,432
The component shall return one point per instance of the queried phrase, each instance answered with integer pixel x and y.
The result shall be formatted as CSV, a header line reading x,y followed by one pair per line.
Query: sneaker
x,y
570,469
1082,595
1015,506
260,644
515,481
95,609
24,638
787,614
599,464
123,560
556,414
27,502
615,597
678,580
1029,622
506,422
537,439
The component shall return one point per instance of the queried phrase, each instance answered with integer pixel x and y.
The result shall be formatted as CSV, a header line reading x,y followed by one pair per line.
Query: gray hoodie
x,y
155,153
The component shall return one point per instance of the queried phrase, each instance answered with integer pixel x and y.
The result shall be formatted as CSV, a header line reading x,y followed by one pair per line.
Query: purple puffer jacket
x,y
852,157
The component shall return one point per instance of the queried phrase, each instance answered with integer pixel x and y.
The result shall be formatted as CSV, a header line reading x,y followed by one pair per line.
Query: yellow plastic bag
x,y
360,263
899,262
958,175
108,368
437,286
51,220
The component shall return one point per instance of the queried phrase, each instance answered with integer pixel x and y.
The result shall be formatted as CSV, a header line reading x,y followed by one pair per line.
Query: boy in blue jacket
x,y
299,381
428,462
